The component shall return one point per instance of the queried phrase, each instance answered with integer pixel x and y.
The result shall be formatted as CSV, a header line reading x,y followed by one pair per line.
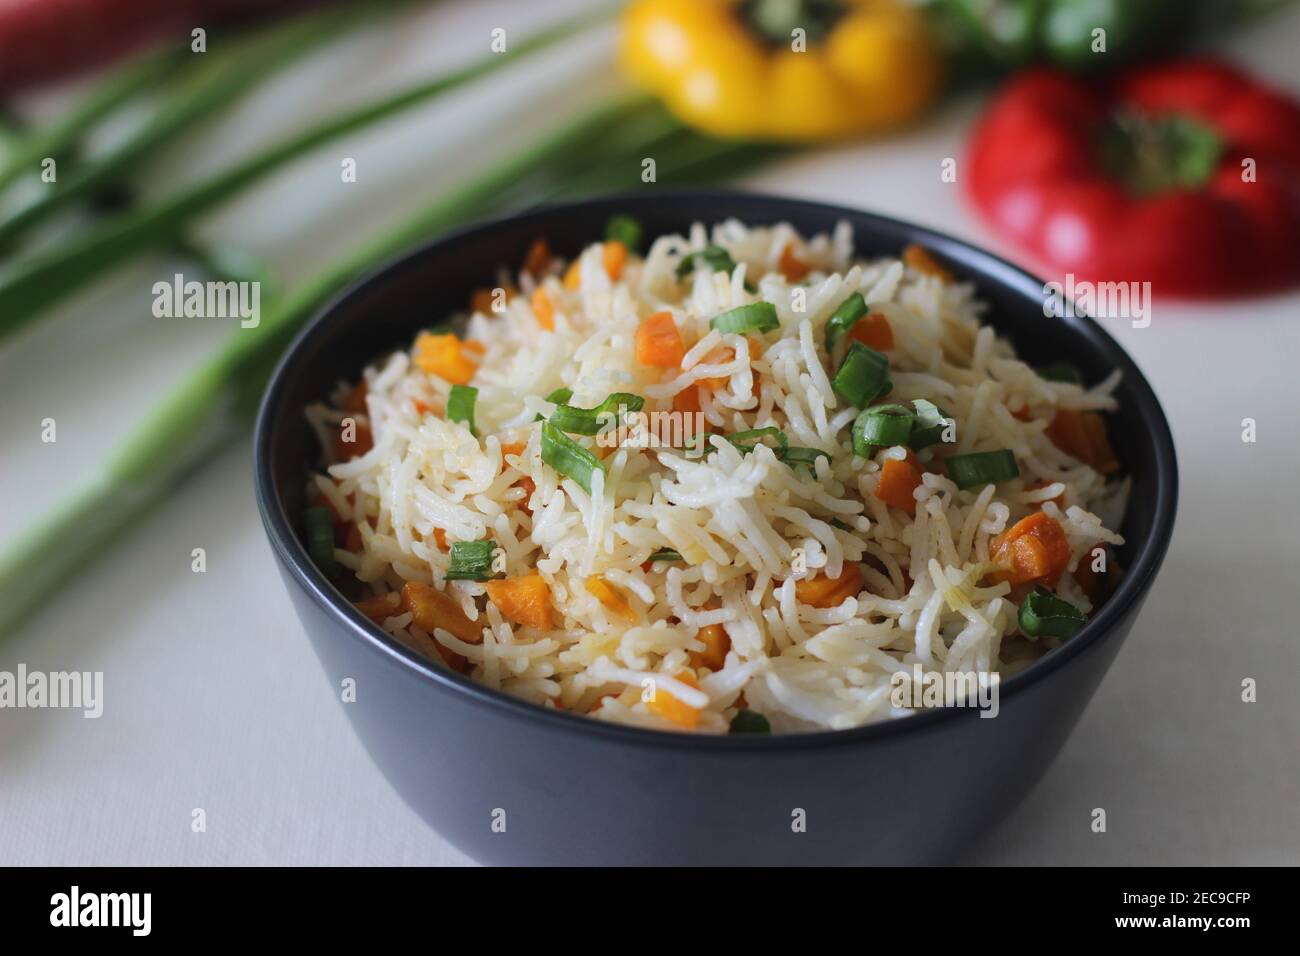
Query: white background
x,y
214,699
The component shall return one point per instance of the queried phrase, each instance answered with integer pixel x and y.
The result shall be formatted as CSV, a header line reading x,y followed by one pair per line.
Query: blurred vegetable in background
x,y
1185,174
743,69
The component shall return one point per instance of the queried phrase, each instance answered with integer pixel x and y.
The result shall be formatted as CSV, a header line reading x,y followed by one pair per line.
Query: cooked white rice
x,y
737,519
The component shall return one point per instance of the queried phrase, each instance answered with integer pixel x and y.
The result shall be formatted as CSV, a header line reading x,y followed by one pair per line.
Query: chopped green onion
x,y
747,441
665,554
794,455
1043,613
885,425
568,457
1061,372
837,523
755,317
982,468
850,310
716,258
471,560
588,421
863,376
460,406
624,229
557,397
320,538
750,722
928,429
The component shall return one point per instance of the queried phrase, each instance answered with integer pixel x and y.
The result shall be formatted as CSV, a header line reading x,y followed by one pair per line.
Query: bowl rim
x,y
991,268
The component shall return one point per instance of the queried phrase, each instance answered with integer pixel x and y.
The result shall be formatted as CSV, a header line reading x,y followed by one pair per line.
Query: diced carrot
x,y
380,607
529,487
356,400
544,311
353,540
670,708
481,301
525,600
1089,581
659,341
611,597
515,448
613,255
440,537
446,356
1082,435
824,592
687,400
874,331
716,645
474,348
573,275
1033,549
898,479
421,408
538,257
791,266
431,608
920,259
362,441
716,356
1022,414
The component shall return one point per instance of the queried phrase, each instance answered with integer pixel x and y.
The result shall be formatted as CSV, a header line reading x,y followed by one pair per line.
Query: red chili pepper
x,y
1185,174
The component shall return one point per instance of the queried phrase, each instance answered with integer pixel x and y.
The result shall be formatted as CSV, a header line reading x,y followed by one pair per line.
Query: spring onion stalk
x,y
1060,372
30,147
626,230
664,554
755,317
748,440
796,455
1043,613
883,425
568,457
931,422
589,421
471,560
460,406
982,468
319,524
842,319
715,258
214,405
750,722
37,284
863,376
216,80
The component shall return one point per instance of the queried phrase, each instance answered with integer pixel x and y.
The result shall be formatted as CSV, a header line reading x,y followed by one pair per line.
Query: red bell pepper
x,y
1185,174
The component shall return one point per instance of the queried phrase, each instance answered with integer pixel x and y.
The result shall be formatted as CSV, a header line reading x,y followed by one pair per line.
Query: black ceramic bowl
x,y
509,782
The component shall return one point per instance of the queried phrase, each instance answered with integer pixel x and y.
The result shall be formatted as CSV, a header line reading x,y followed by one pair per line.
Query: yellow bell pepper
x,y
782,70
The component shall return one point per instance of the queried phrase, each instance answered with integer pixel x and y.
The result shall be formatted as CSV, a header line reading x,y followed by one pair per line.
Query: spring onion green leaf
x,y
471,560
794,455
319,524
665,554
837,523
748,440
1061,372
750,722
928,429
755,317
716,258
850,310
863,376
588,421
1043,613
982,468
626,230
557,397
460,406
568,457
883,425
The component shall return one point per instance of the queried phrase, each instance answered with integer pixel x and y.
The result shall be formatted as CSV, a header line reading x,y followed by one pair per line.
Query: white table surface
x,y
213,696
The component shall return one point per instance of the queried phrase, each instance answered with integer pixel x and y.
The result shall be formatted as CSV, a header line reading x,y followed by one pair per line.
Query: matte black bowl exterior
x,y
508,782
